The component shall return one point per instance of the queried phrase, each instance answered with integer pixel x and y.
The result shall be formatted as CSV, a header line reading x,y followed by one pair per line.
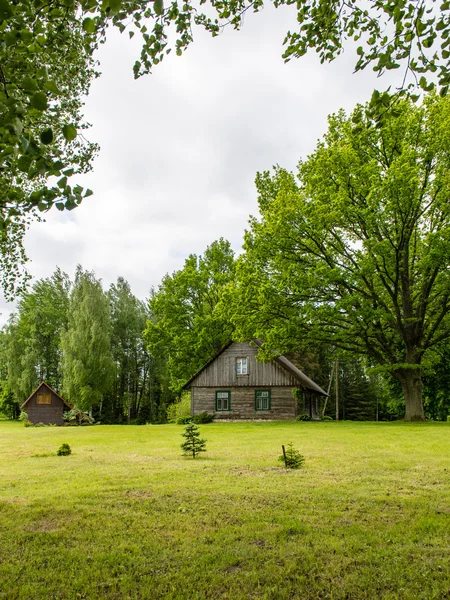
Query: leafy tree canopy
x,y
47,64
184,325
87,365
46,67
356,249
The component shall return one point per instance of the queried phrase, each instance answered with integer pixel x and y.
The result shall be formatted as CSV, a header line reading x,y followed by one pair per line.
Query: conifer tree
x,y
193,444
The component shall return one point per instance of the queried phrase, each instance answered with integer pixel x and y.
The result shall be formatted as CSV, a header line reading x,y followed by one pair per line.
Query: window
x,y
262,400
222,401
44,399
241,366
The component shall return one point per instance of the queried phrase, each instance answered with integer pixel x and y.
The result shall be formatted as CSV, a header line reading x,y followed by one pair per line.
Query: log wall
x,y
242,403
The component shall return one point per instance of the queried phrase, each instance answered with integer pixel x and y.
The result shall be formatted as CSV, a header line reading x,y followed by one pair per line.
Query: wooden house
x,y
45,406
234,385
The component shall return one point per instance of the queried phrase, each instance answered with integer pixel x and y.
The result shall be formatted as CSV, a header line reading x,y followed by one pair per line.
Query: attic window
x,y
241,366
44,399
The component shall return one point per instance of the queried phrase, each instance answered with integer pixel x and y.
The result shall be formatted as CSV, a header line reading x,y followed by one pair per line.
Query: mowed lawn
x,y
126,516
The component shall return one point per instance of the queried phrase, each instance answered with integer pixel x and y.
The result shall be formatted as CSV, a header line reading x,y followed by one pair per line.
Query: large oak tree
x,y
356,249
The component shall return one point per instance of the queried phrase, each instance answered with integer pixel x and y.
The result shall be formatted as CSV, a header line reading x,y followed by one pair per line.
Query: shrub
x,y
292,458
27,424
202,418
23,416
192,444
179,409
184,420
64,450
304,417
75,416
327,418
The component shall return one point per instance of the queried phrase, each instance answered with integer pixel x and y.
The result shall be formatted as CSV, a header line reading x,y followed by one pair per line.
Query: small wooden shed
x,y
45,405
235,385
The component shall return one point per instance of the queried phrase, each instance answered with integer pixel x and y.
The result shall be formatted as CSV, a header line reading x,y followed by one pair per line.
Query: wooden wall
x,y
49,414
222,371
242,403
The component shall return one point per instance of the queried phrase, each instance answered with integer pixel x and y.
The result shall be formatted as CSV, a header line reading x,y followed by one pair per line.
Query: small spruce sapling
x,y
291,457
192,444
64,450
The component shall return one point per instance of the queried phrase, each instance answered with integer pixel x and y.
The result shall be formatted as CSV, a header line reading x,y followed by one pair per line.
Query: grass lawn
x,y
126,516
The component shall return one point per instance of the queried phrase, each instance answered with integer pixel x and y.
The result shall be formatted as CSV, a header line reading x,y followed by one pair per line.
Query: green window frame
x,y
262,399
223,401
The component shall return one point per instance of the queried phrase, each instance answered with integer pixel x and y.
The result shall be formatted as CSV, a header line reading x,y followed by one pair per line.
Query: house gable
x,y
222,372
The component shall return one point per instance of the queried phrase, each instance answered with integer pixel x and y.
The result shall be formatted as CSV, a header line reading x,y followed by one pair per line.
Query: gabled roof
x,y
282,361
187,384
51,389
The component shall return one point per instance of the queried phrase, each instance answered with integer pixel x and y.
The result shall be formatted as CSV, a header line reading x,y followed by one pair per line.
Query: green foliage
x,y
184,420
203,417
132,361
24,419
185,327
87,365
303,417
64,450
46,67
193,444
32,337
292,458
327,418
8,404
76,416
355,250
180,410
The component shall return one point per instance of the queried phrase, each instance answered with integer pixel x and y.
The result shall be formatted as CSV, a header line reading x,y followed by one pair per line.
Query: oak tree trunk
x,y
412,386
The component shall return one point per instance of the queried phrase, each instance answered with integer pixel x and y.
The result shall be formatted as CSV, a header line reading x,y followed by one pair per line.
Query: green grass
x,y
126,516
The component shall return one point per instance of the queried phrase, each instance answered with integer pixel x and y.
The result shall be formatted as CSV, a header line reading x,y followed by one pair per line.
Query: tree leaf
x,y
47,136
39,101
51,86
30,85
115,5
5,10
158,5
69,132
89,25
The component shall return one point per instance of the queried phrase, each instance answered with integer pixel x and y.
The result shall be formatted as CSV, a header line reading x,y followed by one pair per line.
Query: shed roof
x,y
51,389
286,364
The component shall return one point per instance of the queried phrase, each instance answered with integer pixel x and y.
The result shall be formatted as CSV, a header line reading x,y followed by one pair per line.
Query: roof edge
x,y
282,361
51,389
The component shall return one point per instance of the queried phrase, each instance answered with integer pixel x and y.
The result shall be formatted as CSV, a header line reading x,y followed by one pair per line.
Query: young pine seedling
x,y
192,444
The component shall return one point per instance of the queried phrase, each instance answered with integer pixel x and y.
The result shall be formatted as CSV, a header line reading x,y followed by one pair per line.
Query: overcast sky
x,y
180,149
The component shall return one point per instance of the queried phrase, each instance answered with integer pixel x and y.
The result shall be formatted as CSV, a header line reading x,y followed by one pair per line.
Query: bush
x,y
179,409
23,416
292,458
64,450
184,420
327,418
27,424
304,417
202,418
77,417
